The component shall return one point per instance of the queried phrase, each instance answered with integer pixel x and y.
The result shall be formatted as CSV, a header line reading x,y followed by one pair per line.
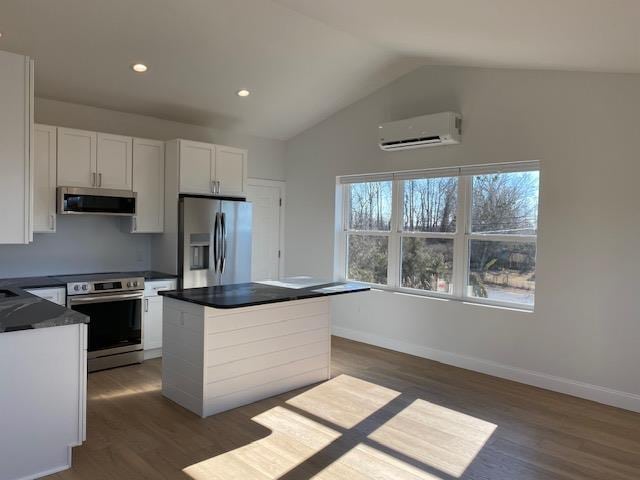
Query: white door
x,y
76,158
148,183
267,220
152,323
197,167
115,167
231,170
44,178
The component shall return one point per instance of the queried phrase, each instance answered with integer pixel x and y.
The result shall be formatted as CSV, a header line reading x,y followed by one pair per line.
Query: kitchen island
x,y
230,345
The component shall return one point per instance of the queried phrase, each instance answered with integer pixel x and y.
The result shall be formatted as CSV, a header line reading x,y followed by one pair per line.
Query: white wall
x,y
98,244
584,129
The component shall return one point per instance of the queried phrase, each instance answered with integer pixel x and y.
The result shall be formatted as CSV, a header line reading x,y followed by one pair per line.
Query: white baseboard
x,y
607,396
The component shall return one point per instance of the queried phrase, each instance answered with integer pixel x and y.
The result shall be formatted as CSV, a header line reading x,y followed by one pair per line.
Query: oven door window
x,y
113,324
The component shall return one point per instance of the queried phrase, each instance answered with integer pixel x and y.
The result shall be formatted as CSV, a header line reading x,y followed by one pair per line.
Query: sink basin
x,y
7,294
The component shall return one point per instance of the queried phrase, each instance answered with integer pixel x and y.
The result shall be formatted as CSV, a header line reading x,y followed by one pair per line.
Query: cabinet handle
x,y
51,222
100,179
146,304
93,179
213,186
218,182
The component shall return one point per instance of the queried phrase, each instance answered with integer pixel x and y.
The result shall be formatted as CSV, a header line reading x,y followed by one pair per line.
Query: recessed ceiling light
x,y
243,93
139,67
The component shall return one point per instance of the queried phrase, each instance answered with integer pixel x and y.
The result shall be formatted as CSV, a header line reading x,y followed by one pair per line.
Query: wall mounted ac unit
x,y
425,131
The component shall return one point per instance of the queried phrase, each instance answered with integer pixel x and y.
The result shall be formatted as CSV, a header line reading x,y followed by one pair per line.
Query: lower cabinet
x,y
152,323
152,317
43,373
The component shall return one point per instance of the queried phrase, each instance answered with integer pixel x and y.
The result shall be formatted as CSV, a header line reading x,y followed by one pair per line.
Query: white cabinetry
x,y
44,178
16,125
56,294
197,167
77,161
43,374
208,169
152,316
148,183
231,171
114,165
90,159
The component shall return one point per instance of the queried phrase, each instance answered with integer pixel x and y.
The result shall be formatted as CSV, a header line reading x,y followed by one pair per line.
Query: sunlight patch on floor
x,y
123,392
434,435
365,462
293,440
344,400
354,429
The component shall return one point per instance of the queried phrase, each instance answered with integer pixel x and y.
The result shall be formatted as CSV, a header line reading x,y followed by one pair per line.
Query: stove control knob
x,y
135,284
76,288
129,284
85,287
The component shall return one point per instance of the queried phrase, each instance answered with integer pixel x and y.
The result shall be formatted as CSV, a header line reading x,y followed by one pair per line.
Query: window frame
x,y
462,237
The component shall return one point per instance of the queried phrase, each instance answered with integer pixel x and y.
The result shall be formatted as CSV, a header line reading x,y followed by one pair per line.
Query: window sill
x,y
443,297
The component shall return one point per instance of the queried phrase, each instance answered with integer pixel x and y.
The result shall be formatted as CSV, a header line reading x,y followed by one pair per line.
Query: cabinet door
x,y
152,327
197,167
115,167
148,183
231,171
44,178
76,158
16,101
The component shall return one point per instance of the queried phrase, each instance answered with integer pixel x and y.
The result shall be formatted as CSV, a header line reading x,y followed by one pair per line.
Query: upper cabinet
x,y
231,171
148,183
44,178
197,167
16,126
77,158
95,160
114,166
208,169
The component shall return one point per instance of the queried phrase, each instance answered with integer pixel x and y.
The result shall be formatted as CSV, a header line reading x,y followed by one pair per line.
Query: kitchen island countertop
x,y
260,293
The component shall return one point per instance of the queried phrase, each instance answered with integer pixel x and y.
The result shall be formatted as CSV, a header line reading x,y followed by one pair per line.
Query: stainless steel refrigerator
x,y
214,242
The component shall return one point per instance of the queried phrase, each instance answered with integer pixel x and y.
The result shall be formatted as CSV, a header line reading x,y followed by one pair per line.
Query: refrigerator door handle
x,y
224,243
216,247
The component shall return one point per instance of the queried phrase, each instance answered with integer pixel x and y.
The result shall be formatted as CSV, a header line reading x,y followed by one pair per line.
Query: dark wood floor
x,y
383,415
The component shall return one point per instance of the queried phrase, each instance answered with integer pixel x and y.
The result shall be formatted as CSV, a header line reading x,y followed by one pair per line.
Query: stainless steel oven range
x,y
114,306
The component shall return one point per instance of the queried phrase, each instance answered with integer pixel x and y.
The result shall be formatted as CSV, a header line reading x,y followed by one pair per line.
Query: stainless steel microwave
x,y
96,201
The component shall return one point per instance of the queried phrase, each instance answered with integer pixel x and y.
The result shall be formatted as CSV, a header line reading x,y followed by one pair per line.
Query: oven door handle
x,y
104,298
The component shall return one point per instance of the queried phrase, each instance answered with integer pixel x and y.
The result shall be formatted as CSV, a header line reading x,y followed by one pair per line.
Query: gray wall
x,y
584,129
95,244
81,244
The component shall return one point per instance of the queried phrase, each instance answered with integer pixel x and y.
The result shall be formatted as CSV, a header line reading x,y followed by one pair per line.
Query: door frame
x,y
261,182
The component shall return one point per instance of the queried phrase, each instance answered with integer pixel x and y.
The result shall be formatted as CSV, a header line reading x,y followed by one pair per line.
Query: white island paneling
x,y
218,359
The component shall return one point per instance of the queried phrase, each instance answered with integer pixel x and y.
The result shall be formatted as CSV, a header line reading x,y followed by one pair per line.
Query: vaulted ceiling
x,y
302,59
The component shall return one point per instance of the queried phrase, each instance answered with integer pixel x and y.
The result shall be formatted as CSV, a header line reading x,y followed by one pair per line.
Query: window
x,y
368,231
467,233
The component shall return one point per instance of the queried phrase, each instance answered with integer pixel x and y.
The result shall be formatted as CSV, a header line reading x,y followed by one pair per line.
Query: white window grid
x,y
462,238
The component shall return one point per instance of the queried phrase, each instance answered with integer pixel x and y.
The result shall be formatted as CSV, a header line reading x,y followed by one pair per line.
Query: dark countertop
x,y
250,294
19,310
